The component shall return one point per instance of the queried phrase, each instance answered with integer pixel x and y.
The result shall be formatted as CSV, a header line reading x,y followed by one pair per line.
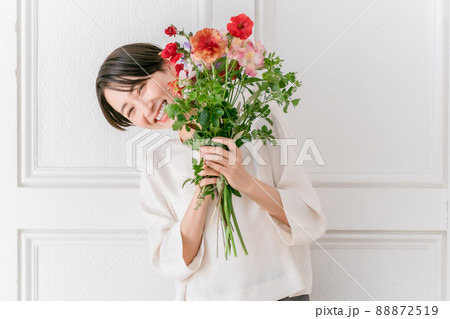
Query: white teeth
x,y
161,111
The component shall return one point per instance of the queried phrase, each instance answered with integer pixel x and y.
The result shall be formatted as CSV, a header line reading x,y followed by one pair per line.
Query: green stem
x,y
230,207
226,77
205,69
224,228
238,230
237,94
194,64
230,97
227,216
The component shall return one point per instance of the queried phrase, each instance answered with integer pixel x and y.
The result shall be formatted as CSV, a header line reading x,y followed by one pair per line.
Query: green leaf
x,y
274,86
253,97
215,120
193,95
178,125
295,102
219,112
170,110
203,118
235,192
217,99
189,179
251,80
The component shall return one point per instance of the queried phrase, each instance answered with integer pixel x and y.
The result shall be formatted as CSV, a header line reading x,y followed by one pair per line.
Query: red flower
x,y
170,51
240,26
178,68
171,31
174,59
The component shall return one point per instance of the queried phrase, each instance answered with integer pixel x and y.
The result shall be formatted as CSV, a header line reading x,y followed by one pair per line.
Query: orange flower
x,y
208,45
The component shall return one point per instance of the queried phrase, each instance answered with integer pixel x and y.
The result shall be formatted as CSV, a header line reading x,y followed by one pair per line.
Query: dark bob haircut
x,y
132,60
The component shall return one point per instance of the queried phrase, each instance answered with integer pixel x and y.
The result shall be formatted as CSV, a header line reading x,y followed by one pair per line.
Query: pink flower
x,y
223,33
249,55
186,76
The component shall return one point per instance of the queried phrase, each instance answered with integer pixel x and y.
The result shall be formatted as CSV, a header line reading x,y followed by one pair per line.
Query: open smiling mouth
x,y
161,117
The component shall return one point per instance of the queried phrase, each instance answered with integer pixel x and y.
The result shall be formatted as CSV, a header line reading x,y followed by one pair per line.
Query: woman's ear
x,y
170,67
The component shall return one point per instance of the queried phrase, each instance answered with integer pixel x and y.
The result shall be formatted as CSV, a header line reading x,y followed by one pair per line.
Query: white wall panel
x,y
82,265
374,86
378,266
374,100
64,138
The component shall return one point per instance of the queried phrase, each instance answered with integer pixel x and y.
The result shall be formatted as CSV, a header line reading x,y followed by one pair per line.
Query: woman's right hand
x,y
207,171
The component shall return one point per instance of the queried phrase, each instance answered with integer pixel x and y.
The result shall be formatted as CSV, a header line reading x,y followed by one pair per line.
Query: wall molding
x,y
434,174
29,174
431,243
30,241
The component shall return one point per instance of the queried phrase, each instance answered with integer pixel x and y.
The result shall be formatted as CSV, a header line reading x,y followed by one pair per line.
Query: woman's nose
x,y
146,108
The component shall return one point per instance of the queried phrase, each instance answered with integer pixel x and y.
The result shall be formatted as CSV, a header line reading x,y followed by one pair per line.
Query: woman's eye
x,y
140,89
129,112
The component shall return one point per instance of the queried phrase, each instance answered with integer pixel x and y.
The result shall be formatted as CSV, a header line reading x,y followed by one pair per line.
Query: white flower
x,y
185,75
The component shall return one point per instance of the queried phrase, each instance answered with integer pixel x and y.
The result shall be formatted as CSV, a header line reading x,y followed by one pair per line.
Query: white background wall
x,y
374,100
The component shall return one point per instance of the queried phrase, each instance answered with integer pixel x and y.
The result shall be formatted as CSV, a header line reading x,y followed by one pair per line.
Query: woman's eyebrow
x,y
123,107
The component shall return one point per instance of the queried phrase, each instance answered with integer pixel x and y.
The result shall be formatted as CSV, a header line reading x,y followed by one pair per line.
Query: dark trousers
x,y
296,298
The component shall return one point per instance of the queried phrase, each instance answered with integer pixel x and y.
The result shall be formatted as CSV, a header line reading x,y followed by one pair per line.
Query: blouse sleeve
x,y
300,201
164,234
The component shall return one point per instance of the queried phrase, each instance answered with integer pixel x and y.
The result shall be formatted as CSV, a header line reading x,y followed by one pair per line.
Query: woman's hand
x,y
228,163
207,180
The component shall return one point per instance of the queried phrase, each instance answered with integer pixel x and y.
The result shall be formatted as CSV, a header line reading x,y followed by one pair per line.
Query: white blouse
x,y
278,263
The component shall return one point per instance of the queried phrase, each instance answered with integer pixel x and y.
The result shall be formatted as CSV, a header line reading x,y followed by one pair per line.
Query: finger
x,y
226,162
209,171
215,158
214,150
208,181
227,141
221,169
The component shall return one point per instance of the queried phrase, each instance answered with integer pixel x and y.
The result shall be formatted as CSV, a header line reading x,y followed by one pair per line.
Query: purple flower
x,y
187,45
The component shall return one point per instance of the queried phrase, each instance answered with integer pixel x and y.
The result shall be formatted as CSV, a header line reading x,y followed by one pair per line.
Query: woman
x,y
279,213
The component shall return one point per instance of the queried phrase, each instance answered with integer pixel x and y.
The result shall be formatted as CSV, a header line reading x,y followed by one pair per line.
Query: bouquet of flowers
x,y
214,68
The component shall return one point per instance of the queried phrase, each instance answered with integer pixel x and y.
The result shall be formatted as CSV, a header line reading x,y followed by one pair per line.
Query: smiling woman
x,y
132,89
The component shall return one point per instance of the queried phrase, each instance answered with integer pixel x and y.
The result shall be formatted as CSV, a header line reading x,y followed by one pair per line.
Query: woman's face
x,y
143,104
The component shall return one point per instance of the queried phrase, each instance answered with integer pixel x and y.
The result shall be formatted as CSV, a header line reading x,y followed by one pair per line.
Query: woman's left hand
x,y
228,163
